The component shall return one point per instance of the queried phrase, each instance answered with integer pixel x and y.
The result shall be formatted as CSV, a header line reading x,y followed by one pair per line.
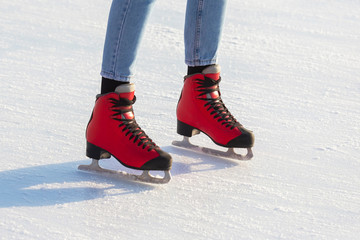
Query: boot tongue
x,y
212,72
126,91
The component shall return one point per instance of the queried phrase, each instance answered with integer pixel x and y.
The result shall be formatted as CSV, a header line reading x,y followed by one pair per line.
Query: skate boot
x,y
200,109
112,130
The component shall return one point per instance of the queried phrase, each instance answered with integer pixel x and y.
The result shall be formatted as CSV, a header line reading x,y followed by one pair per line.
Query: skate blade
x,y
230,153
144,177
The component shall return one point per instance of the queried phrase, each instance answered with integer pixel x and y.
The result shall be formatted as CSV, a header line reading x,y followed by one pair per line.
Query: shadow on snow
x,y
62,183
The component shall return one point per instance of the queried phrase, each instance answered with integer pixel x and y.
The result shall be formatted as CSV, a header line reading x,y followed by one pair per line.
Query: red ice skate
x,y
200,109
112,130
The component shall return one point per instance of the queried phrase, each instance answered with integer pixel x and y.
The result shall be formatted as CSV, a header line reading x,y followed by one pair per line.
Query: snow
x,y
291,73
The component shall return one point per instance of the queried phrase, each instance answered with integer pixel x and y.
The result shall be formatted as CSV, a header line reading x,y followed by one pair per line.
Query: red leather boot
x,y
201,109
112,130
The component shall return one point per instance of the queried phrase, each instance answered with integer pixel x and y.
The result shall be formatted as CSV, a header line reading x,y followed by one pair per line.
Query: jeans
x,y
127,18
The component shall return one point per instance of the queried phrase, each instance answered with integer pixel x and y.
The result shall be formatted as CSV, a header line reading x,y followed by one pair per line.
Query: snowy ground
x,y
291,73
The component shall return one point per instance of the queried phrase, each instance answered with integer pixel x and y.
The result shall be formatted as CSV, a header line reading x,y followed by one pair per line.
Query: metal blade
x,y
230,153
144,177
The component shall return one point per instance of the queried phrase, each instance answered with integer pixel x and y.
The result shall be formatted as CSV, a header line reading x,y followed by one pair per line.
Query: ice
x,y
290,73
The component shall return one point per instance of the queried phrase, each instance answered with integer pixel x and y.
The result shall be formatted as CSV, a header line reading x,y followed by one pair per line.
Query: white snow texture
x,y
291,73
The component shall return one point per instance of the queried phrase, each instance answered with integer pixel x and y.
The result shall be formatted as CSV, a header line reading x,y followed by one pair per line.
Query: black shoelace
x,y
215,105
122,106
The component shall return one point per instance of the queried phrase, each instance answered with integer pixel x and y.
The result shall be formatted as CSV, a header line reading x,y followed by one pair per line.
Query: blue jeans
x,y
127,18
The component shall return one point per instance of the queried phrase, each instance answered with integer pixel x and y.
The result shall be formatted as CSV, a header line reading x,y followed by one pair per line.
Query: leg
x,y
200,107
126,22
203,25
112,129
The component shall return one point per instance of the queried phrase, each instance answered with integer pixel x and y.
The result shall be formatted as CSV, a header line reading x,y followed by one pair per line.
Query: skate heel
x,y
96,152
186,130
